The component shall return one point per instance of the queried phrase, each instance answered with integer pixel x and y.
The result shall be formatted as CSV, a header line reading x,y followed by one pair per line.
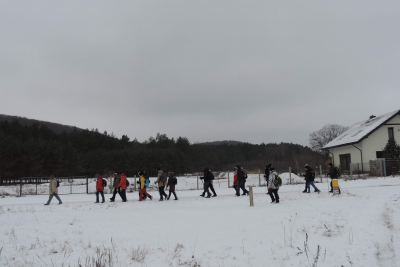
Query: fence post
x,y
351,171
320,172
290,175
20,188
197,175
70,185
87,185
134,181
229,183
259,177
251,196
36,185
384,166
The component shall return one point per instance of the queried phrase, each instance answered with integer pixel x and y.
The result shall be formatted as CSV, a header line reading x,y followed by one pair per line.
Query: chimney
x,y
372,116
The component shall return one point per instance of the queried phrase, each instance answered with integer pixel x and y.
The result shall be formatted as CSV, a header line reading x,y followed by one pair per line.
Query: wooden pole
x,y
87,185
20,188
259,177
290,175
251,196
229,184
197,175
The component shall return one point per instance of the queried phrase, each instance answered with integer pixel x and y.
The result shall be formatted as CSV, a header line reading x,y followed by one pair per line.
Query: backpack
x,y
127,182
278,181
58,183
175,180
313,174
164,177
146,182
104,182
337,172
244,174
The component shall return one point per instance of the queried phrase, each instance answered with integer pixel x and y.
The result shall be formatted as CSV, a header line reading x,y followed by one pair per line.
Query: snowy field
x,y
360,227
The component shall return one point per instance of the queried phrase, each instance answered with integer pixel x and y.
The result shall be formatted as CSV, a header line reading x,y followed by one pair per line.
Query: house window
x,y
379,154
390,133
345,161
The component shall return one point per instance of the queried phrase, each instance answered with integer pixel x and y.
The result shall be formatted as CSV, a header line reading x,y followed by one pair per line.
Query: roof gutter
x,y
362,164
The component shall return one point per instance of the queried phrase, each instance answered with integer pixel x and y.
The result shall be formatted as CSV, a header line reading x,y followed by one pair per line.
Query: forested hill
x,y
224,142
33,150
56,127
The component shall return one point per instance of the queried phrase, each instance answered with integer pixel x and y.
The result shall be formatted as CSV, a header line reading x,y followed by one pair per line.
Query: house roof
x,y
360,130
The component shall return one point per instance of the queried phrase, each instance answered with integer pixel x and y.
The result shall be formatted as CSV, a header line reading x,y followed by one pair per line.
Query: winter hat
x,y
122,174
271,168
268,166
306,166
140,173
235,168
158,169
330,164
97,175
52,176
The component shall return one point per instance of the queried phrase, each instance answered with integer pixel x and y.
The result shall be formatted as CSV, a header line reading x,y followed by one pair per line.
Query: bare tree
x,y
320,138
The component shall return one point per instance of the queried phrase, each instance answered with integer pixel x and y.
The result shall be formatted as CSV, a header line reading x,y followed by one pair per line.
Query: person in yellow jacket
x,y
143,187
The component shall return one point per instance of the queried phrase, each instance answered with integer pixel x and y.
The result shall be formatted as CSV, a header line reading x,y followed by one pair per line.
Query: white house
x,y
364,141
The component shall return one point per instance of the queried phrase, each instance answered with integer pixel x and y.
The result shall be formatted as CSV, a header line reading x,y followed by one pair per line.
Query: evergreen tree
x,y
392,149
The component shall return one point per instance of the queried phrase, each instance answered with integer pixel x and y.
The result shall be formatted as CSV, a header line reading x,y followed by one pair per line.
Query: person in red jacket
x,y
99,188
122,186
235,180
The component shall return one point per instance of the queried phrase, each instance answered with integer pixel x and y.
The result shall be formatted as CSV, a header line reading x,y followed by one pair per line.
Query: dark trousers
x,y
162,192
206,187
241,186
97,196
273,193
122,193
116,191
173,192
212,189
51,197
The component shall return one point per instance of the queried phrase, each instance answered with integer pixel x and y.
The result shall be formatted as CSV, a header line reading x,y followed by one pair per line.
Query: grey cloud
x,y
281,69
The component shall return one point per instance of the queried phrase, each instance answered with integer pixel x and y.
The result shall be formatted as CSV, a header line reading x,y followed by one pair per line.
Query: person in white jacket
x,y
53,191
272,187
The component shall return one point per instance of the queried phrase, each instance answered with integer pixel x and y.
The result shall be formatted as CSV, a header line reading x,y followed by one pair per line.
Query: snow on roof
x,y
360,130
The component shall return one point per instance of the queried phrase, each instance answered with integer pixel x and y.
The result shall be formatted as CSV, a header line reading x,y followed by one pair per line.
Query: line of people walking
x,y
169,181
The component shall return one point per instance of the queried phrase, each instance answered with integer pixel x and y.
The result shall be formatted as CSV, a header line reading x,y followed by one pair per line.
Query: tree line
x,y
36,151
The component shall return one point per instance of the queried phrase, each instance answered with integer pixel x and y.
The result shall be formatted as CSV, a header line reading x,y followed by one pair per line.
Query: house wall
x,y
375,142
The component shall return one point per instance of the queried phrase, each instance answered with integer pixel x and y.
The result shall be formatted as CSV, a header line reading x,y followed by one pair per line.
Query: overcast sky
x,y
252,71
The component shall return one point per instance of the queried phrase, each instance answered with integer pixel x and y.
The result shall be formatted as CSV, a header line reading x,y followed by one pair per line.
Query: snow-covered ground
x,y
360,227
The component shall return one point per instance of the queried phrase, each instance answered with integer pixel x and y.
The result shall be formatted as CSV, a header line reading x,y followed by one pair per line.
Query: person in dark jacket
x,y
207,182
272,187
310,179
116,181
332,175
99,189
212,188
172,181
267,173
241,179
